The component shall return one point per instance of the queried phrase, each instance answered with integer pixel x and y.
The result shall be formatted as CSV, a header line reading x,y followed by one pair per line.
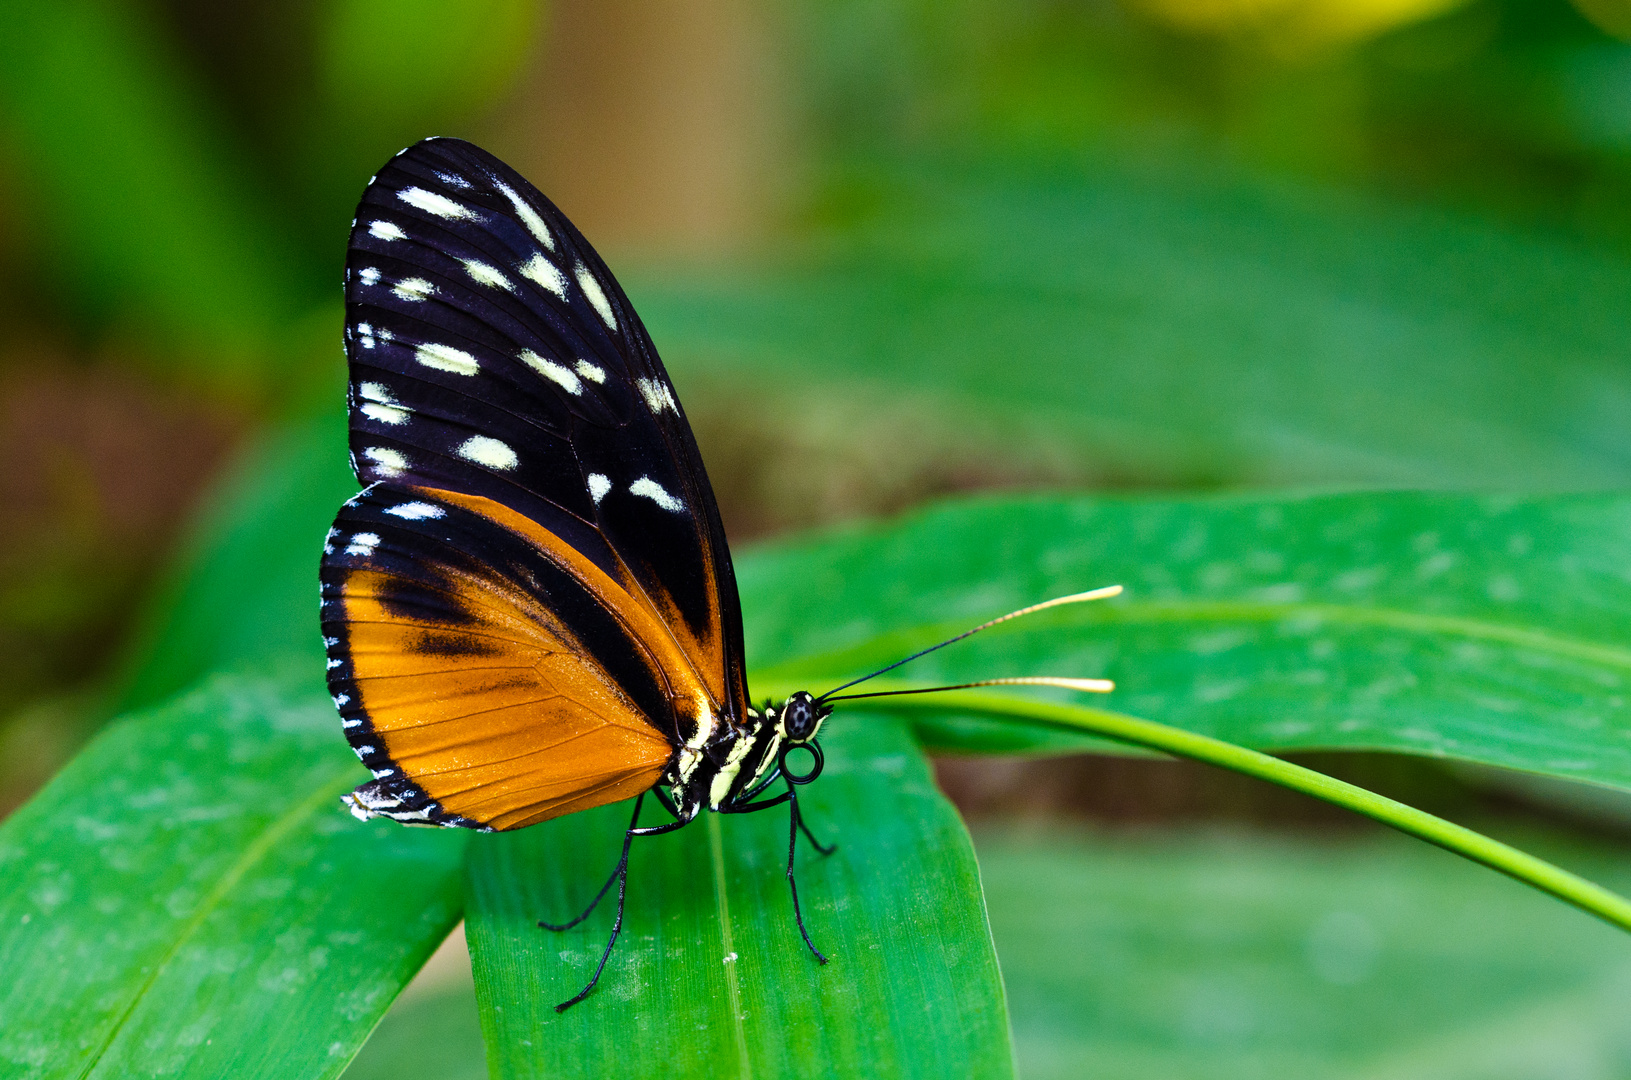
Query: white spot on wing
x,y
654,491
413,289
369,275
529,217
657,395
549,369
386,230
489,452
432,203
378,404
384,414
387,462
591,372
364,335
416,511
350,723
598,487
446,358
487,275
545,273
591,288
363,544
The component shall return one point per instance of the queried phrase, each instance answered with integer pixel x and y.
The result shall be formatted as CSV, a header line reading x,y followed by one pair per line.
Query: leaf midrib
x,y
254,853
716,847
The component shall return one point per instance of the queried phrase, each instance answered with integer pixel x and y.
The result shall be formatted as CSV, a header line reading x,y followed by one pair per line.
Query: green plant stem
x,y
1583,894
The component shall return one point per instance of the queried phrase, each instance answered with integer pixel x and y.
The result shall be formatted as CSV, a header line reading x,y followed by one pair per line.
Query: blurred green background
x,y
891,250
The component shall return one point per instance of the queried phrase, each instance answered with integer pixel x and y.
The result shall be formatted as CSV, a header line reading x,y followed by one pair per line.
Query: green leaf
x,y
1493,630
1225,956
189,898
1116,327
710,977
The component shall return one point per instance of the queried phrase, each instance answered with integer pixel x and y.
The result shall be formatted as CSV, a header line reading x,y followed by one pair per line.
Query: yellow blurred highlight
x,y
1610,16
1293,27
423,62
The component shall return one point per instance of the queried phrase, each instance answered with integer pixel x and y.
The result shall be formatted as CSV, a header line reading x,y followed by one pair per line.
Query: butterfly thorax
x,y
738,761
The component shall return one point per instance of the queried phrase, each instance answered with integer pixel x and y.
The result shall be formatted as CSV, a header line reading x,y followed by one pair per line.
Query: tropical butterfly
x,y
530,608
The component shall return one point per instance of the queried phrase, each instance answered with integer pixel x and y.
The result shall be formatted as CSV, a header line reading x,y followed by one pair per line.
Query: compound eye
x,y
799,718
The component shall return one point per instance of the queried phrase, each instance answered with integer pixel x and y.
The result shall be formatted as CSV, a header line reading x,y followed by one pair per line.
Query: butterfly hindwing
x,y
488,674
493,355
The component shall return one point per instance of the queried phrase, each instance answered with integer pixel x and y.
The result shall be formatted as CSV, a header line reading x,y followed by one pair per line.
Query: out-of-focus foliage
x,y
1105,327
178,185
1370,957
1513,107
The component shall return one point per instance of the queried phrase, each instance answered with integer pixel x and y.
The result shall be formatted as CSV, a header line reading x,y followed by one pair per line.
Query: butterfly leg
x,y
794,825
621,876
822,850
667,800
617,870
765,804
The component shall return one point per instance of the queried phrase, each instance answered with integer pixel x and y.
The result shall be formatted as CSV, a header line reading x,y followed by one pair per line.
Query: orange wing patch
x,y
489,665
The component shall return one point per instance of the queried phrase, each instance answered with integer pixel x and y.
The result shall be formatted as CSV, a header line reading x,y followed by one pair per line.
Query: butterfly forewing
x,y
493,356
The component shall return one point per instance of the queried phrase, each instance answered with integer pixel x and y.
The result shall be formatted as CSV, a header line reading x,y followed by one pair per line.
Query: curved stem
x,y
1571,888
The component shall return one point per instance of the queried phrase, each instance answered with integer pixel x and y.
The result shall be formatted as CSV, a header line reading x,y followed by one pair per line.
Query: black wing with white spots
x,y
493,354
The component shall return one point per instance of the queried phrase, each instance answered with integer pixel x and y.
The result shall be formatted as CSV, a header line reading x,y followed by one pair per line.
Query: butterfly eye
x,y
800,718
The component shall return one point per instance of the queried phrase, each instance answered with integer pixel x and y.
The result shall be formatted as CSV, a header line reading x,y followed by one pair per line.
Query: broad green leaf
x,y
710,977
1219,956
189,898
1495,630
1105,326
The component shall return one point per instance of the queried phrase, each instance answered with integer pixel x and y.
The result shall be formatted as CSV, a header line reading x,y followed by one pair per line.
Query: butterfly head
x,y
801,718
796,727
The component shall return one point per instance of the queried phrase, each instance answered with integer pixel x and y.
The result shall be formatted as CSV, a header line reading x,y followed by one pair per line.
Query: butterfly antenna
x,y
1091,686
1058,601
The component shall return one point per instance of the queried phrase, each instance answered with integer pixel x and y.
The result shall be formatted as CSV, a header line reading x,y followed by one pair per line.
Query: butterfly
x,y
530,610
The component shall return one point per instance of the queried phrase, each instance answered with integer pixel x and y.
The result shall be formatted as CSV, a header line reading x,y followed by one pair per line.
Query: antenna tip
x,y
1090,686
